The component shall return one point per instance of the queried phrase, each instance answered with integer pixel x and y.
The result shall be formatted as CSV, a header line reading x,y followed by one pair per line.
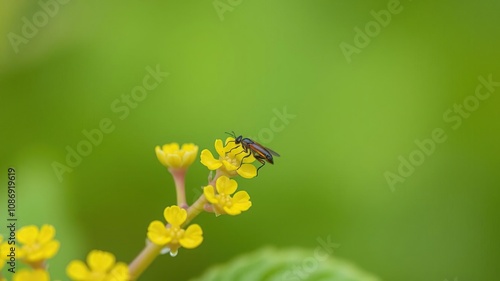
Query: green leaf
x,y
270,264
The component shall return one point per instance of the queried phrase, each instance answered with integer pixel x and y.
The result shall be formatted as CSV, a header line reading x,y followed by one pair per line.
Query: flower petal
x,y
35,275
240,203
158,234
100,261
28,234
193,236
230,166
175,215
208,160
170,148
160,155
242,200
50,249
247,171
226,185
173,160
209,192
219,148
47,233
190,153
119,273
191,147
77,270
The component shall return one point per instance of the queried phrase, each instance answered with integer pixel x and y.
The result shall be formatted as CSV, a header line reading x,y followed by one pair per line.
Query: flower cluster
x,y
100,266
217,195
36,245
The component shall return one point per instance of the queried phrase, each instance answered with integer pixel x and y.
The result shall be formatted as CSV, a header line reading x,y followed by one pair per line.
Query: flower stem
x,y
151,251
179,176
144,260
195,209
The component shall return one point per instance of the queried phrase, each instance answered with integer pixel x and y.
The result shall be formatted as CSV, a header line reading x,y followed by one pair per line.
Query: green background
x,y
351,123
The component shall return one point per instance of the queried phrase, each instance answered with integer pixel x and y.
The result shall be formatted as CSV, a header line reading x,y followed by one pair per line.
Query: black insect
x,y
260,152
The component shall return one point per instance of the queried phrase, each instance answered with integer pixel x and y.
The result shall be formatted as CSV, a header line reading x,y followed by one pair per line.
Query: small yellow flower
x,y
31,275
3,253
222,201
171,156
102,266
229,160
173,236
37,244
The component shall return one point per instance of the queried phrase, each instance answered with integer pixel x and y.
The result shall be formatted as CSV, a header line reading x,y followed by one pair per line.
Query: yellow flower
x,y
3,253
38,245
102,266
172,157
229,159
173,236
31,275
222,201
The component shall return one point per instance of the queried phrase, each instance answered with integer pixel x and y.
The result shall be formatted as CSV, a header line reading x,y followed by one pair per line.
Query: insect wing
x,y
272,152
269,150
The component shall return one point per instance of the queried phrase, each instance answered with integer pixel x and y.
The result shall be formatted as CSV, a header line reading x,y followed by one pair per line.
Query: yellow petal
x,y
27,235
119,273
190,147
233,211
170,148
193,236
158,234
160,155
226,185
47,233
5,249
50,249
230,140
190,153
210,194
247,171
208,160
173,160
249,158
175,215
77,270
100,261
241,200
219,148
230,166
27,275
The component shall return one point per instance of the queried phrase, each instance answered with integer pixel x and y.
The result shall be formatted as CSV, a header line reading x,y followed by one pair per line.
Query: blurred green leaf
x,y
270,264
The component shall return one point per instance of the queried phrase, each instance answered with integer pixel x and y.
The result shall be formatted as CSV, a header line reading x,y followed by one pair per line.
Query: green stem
x,y
144,260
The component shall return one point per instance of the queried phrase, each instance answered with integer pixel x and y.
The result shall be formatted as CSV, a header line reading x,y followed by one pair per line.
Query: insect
x,y
260,152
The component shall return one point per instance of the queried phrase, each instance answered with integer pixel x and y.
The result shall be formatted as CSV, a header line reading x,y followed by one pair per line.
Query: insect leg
x,y
232,149
241,163
262,161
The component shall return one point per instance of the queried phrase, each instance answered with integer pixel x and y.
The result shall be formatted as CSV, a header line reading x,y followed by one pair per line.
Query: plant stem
x,y
151,251
179,176
143,260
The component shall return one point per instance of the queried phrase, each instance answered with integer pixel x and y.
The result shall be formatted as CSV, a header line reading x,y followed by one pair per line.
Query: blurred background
x,y
340,90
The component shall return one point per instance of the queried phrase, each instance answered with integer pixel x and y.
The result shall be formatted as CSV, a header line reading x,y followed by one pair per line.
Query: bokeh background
x,y
351,121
